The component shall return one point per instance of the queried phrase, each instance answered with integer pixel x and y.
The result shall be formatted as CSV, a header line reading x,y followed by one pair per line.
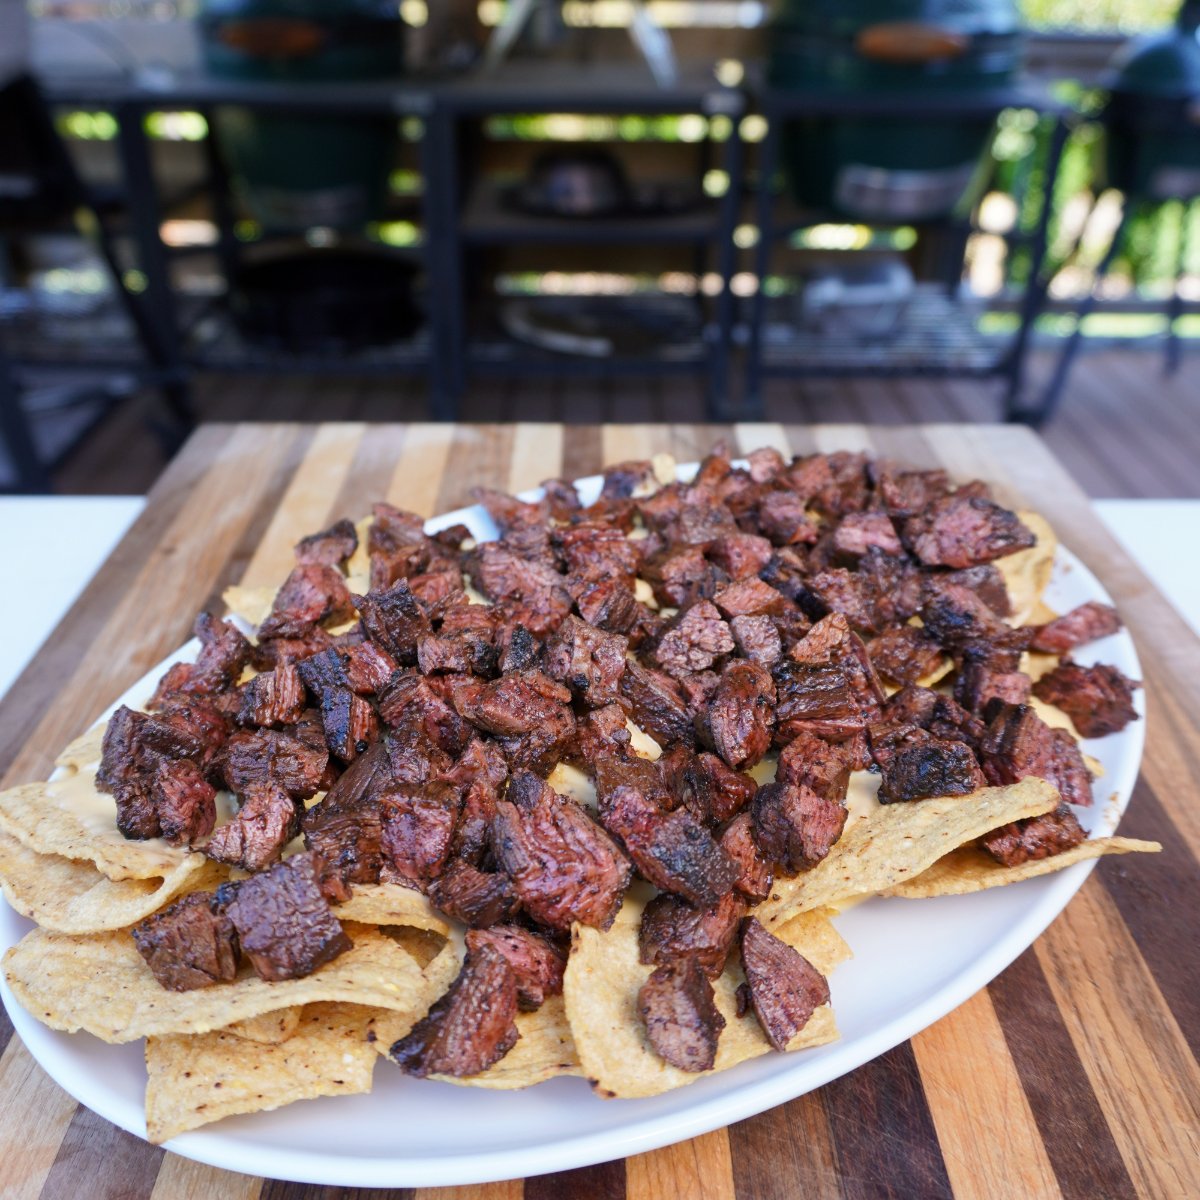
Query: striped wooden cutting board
x,y
1074,1074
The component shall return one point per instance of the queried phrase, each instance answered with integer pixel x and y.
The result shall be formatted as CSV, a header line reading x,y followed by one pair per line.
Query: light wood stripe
x,y
536,456
181,1177
777,1151
757,436
512,1189
421,468
700,1168
1139,1064
305,505
34,1119
985,1127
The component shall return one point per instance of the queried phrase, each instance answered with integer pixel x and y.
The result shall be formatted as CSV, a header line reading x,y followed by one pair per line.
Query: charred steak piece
x,y
587,660
694,640
349,722
1034,837
284,924
536,961
858,532
273,698
737,721
1018,744
418,830
756,878
331,547
253,758
795,827
528,712
672,929
534,591
683,1023
923,766
811,761
471,1027
706,787
395,620
1087,623
658,704
785,988
475,898
564,866
1099,699
186,803
963,531
312,593
671,849
757,638
268,819
344,829
191,944
905,653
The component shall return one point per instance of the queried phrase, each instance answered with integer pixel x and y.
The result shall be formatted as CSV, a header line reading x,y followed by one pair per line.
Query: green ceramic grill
x,y
896,168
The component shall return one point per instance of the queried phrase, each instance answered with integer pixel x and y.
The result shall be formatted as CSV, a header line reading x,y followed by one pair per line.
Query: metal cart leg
x,y
1175,303
1053,394
1039,282
31,472
443,256
768,162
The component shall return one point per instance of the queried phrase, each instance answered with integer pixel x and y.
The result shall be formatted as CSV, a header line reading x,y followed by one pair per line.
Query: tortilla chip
x,y
604,977
391,904
969,869
423,944
73,897
1027,573
70,818
101,984
269,1029
895,842
822,945
544,1051
85,751
252,604
196,1079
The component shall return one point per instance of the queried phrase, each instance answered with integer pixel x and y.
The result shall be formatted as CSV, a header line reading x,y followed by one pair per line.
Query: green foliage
x,y
1125,15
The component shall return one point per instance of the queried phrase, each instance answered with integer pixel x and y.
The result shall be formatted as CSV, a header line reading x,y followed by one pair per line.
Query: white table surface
x,y
57,543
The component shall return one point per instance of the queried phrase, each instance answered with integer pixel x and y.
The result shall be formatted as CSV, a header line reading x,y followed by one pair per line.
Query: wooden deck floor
x,y
1123,429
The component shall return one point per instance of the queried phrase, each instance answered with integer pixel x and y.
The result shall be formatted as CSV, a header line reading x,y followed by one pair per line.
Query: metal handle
x,y
272,37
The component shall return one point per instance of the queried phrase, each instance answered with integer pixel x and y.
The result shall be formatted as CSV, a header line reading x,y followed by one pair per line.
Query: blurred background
x,y
866,210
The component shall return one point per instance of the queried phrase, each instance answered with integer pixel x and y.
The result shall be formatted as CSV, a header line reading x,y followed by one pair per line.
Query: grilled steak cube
x,y
963,531
312,593
273,698
1018,744
812,762
923,766
672,928
191,944
681,575
657,705
1087,623
597,551
706,787
602,733
350,723
987,582
564,866
474,897
694,640
471,1027
367,667
608,604
815,692
284,924
795,827
906,493
757,638
271,651
1034,837
1099,699
268,819
345,828
331,547
905,653
529,714
977,685
683,1023
754,882
532,591
395,620
184,801
251,758
741,555
856,533
671,849
418,830
784,519
956,616
737,722
785,988
536,961
588,661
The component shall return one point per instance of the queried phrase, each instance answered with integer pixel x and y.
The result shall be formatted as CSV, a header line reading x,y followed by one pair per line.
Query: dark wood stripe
x,y
98,1161
40,683
583,452
883,1133
1156,900
1078,1141
6,1028
475,460
279,1189
283,468
784,1153
605,1181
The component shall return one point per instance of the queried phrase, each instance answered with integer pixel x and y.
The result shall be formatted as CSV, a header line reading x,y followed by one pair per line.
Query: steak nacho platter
x,y
584,790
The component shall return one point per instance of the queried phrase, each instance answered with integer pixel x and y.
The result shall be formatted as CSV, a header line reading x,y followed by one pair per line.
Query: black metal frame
x,y
778,106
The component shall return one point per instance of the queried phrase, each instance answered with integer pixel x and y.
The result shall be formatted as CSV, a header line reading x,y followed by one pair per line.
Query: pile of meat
x,y
788,606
